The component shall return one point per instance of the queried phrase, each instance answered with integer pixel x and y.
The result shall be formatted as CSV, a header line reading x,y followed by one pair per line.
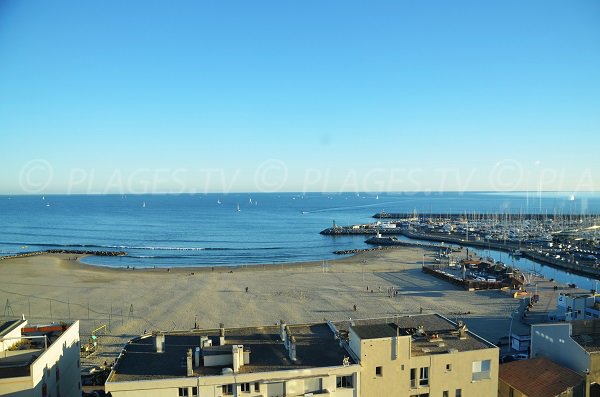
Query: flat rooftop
x,y
315,347
16,361
7,326
587,334
439,334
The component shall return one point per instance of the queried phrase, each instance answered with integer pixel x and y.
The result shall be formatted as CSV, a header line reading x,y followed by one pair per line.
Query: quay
x,y
510,247
566,242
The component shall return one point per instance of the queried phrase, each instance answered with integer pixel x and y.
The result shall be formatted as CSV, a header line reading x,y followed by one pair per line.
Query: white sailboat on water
x,y
238,207
144,204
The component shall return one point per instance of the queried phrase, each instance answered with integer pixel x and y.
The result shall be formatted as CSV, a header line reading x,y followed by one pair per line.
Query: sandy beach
x,y
53,287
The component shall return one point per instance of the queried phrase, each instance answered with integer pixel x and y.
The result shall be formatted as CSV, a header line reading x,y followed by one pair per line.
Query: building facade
x,y
575,345
42,362
425,355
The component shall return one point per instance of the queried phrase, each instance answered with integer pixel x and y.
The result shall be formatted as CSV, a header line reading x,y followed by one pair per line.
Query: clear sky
x,y
208,96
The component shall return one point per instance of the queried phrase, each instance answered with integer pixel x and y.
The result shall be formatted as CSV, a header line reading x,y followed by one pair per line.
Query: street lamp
x,y
512,317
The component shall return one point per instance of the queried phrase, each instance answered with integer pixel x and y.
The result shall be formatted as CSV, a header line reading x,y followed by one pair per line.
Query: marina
x,y
569,244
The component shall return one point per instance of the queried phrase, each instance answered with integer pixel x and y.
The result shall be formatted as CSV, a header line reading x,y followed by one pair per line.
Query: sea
x,y
168,230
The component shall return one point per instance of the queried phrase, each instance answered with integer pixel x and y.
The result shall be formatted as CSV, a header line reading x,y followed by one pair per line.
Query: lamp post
x,y
512,317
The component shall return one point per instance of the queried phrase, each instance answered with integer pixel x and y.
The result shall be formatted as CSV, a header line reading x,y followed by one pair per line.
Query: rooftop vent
x,y
188,363
292,348
159,343
420,331
462,332
282,331
221,334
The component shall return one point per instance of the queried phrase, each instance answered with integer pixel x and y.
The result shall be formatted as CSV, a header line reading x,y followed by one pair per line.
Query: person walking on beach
x,y
355,307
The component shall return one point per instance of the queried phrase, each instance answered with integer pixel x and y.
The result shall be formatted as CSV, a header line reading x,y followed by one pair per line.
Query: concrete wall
x,y
61,356
504,390
297,382
554,341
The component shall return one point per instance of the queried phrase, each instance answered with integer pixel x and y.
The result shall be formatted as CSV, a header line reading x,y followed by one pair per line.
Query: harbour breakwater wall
x,y
71,252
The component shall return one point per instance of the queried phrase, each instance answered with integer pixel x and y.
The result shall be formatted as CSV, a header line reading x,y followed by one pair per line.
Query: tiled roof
x,y
538,377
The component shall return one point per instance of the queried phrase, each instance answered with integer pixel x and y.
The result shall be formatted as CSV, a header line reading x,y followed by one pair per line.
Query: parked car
x,y
513,357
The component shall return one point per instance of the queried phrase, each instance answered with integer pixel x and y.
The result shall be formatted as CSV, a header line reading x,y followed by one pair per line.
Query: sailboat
x,y
218,201
250,201
144,204
238,207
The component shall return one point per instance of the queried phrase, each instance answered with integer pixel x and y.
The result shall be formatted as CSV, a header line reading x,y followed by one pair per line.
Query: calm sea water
x,y
208,229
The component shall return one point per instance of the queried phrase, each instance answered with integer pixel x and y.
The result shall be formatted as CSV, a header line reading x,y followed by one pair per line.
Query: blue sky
x,y
199,96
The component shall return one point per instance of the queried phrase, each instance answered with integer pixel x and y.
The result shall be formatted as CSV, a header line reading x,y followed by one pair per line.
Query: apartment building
x,y
423,355
39,360
575,345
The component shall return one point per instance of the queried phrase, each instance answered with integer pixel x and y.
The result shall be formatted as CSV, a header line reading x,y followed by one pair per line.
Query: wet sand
x,y
57,287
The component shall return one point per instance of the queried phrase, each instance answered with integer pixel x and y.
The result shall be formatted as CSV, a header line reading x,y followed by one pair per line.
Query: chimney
x,y
282,332
190,369
221,334
205,341
197,357
238,357
159,343
288,335
462,331
292,349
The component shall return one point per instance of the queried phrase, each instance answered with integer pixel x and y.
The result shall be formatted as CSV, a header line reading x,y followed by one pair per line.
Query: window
x,y
312,385
481,370
194,391
446,393
245,387
458,393
424,376
227,390
448,367
183,392
413,378
256,386
345,382
379,371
